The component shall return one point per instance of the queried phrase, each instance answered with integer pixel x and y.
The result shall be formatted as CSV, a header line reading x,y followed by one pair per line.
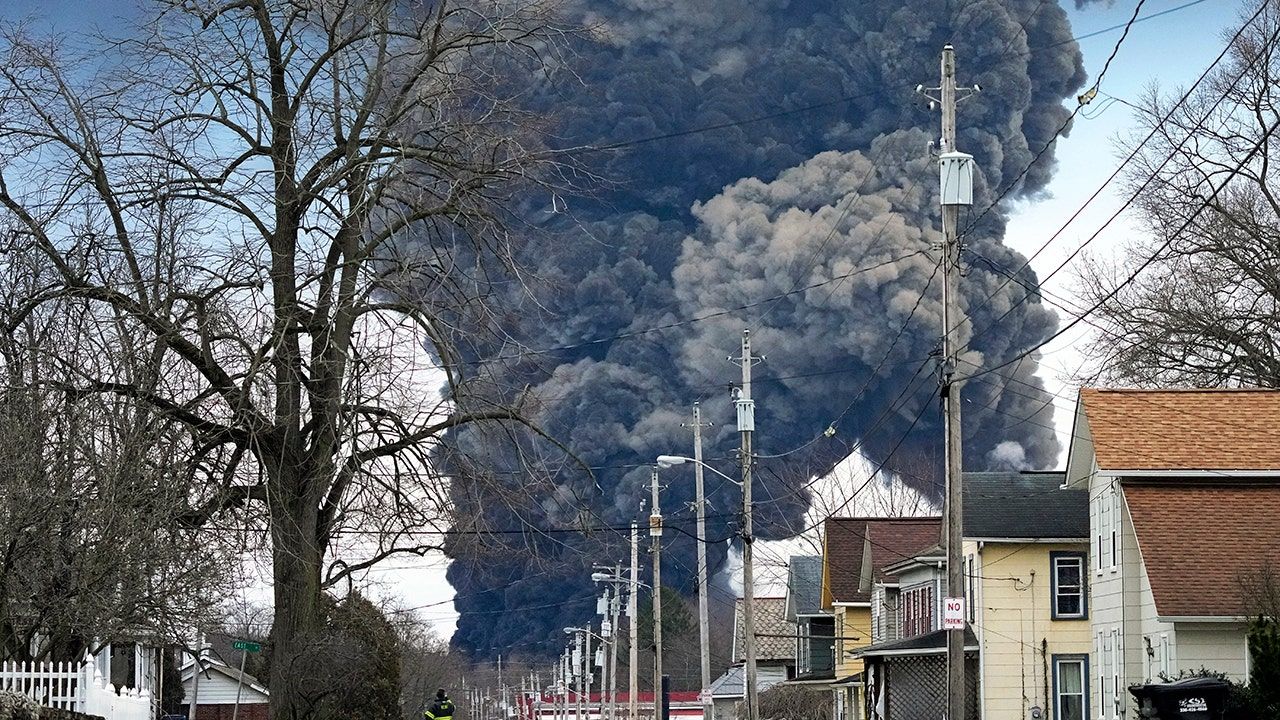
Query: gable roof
x,y
732,682
926,644
1197,429
1023,506
1233,534
804,586
858,547
775,636
208,665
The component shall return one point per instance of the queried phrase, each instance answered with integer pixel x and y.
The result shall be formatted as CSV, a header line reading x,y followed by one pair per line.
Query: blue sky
x,y
1171,51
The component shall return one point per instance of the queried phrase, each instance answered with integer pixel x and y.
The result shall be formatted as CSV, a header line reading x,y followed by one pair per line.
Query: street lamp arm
x,y
667,461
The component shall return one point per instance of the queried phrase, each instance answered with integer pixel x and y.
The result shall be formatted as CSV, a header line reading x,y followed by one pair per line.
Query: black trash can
x,y
1199,698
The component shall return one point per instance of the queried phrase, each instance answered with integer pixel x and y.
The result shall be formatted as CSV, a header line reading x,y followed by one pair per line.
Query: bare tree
x,y
277,221
92,549
1204,307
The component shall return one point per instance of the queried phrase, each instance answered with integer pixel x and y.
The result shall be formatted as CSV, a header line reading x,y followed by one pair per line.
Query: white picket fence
x,y
75,687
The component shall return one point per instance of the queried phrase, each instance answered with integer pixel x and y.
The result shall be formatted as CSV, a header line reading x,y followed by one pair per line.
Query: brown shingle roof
x,y
1199,543
1214,429
775,636
887,539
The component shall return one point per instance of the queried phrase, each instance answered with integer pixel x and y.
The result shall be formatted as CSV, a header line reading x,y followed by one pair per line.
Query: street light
x,y
670,461
704,630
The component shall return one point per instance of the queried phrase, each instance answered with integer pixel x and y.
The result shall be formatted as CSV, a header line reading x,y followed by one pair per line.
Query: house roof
x,y
858,546
930,642
1170,430
927,557
1201,543
775,636
1023,505
208,664
730,684
804,586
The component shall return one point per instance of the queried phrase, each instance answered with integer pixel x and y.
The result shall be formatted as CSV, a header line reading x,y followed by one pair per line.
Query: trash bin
x,y
1201,698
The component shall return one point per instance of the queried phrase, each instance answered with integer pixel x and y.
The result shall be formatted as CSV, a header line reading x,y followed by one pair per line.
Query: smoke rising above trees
x,y
817,217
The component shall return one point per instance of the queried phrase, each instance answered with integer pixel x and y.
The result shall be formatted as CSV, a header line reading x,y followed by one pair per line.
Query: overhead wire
x,y
1133,153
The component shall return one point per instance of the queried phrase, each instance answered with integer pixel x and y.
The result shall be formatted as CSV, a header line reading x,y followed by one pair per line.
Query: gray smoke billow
x,y
700,223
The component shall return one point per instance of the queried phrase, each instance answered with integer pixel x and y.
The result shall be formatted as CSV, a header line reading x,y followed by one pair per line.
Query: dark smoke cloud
x,y
713,221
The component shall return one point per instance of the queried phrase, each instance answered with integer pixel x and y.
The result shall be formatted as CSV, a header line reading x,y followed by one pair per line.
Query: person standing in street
x,y
441,709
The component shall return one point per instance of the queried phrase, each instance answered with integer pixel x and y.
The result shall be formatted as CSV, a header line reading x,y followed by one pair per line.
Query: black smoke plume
x,y
785,207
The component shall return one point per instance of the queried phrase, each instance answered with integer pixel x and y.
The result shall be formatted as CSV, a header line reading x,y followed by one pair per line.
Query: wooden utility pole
x,y
704,624
614,609
633,649
196,669
956,178
578,660
655,532
746,426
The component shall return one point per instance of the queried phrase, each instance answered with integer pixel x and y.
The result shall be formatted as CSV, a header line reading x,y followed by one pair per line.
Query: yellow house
x,y
1028,638
1026,560
855,553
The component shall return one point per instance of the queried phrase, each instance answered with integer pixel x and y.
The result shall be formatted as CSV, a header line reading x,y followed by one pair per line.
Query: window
x,y
1116,516
1104,531
970,595
1117,660
1100,651
1070,687
839,644
1165,659
1069,599
917,610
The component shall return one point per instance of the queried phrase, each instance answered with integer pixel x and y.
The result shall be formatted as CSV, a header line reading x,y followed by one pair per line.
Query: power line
x,y
1116,173
1049,144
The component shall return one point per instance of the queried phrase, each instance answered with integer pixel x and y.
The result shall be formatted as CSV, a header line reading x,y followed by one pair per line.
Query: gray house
x,y
775,655
815,627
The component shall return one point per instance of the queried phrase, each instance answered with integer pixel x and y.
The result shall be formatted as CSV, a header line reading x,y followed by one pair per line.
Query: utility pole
x,y
588,667
568,682
704,624
606,640
747,425
655,532
502,692
956,178
577,670
197,668
633,649
614,608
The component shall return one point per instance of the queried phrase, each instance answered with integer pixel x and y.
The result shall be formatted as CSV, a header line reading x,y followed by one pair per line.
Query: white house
x,y
220,688
1184,492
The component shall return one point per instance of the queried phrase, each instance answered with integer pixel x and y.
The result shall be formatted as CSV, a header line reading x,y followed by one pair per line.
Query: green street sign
x,y
247,646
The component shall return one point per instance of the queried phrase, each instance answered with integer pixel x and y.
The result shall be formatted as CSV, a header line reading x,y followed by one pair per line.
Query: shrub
x,y
15,706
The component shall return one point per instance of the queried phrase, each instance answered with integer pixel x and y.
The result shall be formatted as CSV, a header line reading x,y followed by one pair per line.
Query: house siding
x,y
851,622
218,689
1118,605
1217,646
1017,634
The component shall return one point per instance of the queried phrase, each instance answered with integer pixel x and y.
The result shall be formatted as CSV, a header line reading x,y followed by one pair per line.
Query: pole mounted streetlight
x,y
668,461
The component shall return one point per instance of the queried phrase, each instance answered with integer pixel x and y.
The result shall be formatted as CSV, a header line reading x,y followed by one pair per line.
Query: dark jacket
x,y
440,710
